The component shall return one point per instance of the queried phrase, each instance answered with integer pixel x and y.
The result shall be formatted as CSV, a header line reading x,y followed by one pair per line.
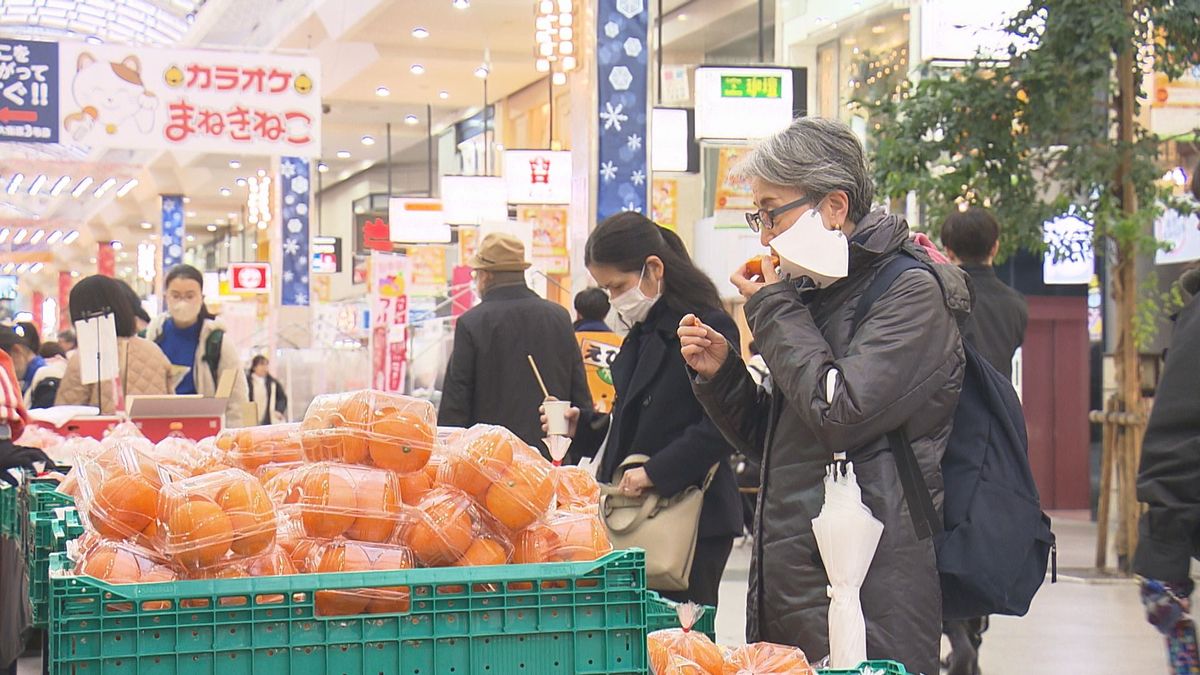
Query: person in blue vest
x,y
191,336
591,308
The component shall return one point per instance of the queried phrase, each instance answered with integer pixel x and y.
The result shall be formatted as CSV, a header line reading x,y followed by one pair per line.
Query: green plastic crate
x,y
544,619
871,668
37,495
660,614
51,532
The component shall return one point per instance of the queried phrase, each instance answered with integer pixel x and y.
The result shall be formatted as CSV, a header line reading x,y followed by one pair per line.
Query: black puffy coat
x,y
903,367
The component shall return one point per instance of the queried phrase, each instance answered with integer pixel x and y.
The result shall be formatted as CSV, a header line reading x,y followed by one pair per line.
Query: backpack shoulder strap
x,y
212,352
885,276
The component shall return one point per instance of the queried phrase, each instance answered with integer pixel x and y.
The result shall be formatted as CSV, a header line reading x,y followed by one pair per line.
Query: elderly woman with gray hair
x,y
837,388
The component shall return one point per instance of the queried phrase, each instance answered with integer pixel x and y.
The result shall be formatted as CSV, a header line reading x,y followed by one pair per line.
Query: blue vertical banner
x,y
28,91
622,29
294,191
172,232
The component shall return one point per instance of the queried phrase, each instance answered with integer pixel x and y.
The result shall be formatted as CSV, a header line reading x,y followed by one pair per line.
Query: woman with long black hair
x,y
653,284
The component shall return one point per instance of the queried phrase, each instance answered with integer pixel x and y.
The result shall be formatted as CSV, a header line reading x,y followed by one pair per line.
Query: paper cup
x,y
556,417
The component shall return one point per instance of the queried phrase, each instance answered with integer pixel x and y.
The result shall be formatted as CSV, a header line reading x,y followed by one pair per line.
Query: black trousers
x,y
704,583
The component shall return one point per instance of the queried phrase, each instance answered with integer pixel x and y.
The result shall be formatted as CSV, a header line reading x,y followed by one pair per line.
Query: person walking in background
x,y
591,309
1169,484
33,343
488,379
839,386
996,328
191,336
997,323
653,283
265,392
141,366
68,342
44,388
24,357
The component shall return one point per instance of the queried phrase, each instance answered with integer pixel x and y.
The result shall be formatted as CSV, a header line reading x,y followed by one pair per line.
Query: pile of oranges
x,y
682,651
366,482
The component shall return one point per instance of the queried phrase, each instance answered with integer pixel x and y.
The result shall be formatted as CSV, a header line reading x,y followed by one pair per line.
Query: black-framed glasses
x,y
765,218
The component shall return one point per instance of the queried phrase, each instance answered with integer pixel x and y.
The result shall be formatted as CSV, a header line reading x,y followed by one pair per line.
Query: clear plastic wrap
x,y
180,453
507,478
357,502
575,489
372,428
665,645
250,448
211,520
119,490
351,556
442,527
767,658
564,536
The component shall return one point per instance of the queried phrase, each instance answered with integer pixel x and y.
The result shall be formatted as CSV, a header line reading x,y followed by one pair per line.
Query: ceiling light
x,y
190,214
416,69
19,237
382,91
460,4
482,72
37,237
543,66
241,182
8,268
211,228
683,17
343,154
14,183
71,237
878,29
133,182
568,63
3,235
95,39
411,119
187,200
322,167
262,174
146,225
191,237
420,33
108,183
22,267
368,140
37,184
116,245
225,192
83,185
443,94
60,185
54,237
235,164
547,6
558,79
37,267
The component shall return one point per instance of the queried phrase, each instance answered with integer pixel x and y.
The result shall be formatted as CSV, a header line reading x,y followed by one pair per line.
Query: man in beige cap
x,y
488,379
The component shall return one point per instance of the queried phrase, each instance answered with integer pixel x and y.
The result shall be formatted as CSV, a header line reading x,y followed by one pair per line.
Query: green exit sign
x,y
751,86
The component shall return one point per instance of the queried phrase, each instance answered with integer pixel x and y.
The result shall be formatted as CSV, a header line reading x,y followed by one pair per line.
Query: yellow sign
x,y
599,352
664,200
751,86
734,195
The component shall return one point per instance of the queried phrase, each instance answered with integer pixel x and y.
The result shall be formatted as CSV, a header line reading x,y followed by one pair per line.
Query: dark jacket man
x,y
488,379
903,367
1169,479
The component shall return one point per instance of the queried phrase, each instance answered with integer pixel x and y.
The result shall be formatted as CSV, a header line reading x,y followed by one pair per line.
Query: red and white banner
x,y
389,320
249,277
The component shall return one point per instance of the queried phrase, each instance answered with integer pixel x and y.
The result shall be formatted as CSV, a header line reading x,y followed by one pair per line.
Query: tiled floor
x,y
1073,628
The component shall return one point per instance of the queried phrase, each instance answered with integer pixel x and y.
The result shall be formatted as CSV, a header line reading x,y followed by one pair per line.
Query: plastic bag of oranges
x,y
122,563
342,500
575,489
767,658
180,453
507,478
353,556
564,536
119,489
372,428
678,665
442,527
210,520
683,642
250,448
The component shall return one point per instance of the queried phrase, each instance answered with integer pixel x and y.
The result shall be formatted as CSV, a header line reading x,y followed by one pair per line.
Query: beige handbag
x,y
666,528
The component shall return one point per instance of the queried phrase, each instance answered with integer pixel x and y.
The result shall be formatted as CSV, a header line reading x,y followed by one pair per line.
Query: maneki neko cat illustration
x,y
111,96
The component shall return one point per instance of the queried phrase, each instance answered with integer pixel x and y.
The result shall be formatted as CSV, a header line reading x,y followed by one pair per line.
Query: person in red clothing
x,y
12,414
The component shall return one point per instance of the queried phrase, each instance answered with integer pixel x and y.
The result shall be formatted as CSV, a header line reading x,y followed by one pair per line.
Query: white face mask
x,y
184,311
633,305
808,249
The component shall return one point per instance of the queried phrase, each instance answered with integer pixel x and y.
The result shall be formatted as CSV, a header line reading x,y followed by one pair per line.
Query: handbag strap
x,y
649,506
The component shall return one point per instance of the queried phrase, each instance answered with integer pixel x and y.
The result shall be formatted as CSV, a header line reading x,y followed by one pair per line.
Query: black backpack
x,y
993,542
44,393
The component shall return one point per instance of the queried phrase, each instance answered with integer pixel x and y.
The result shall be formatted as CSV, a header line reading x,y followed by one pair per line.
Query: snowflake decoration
x,y
608,171
631,8
304,279
632,207
287,169
612,116
302,209
300,185
634,142
288,276
294,226
611,29
638,177
633,47
175,251
301,298
291,246
620,78
289,200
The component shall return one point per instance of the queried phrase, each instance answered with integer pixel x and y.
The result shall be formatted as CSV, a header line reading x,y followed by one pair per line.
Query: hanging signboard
x,y
622,53
470,200
249,277
738,103
124,96
28,91
293,179
1180,234
326,255
389,320
537,176
417,221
